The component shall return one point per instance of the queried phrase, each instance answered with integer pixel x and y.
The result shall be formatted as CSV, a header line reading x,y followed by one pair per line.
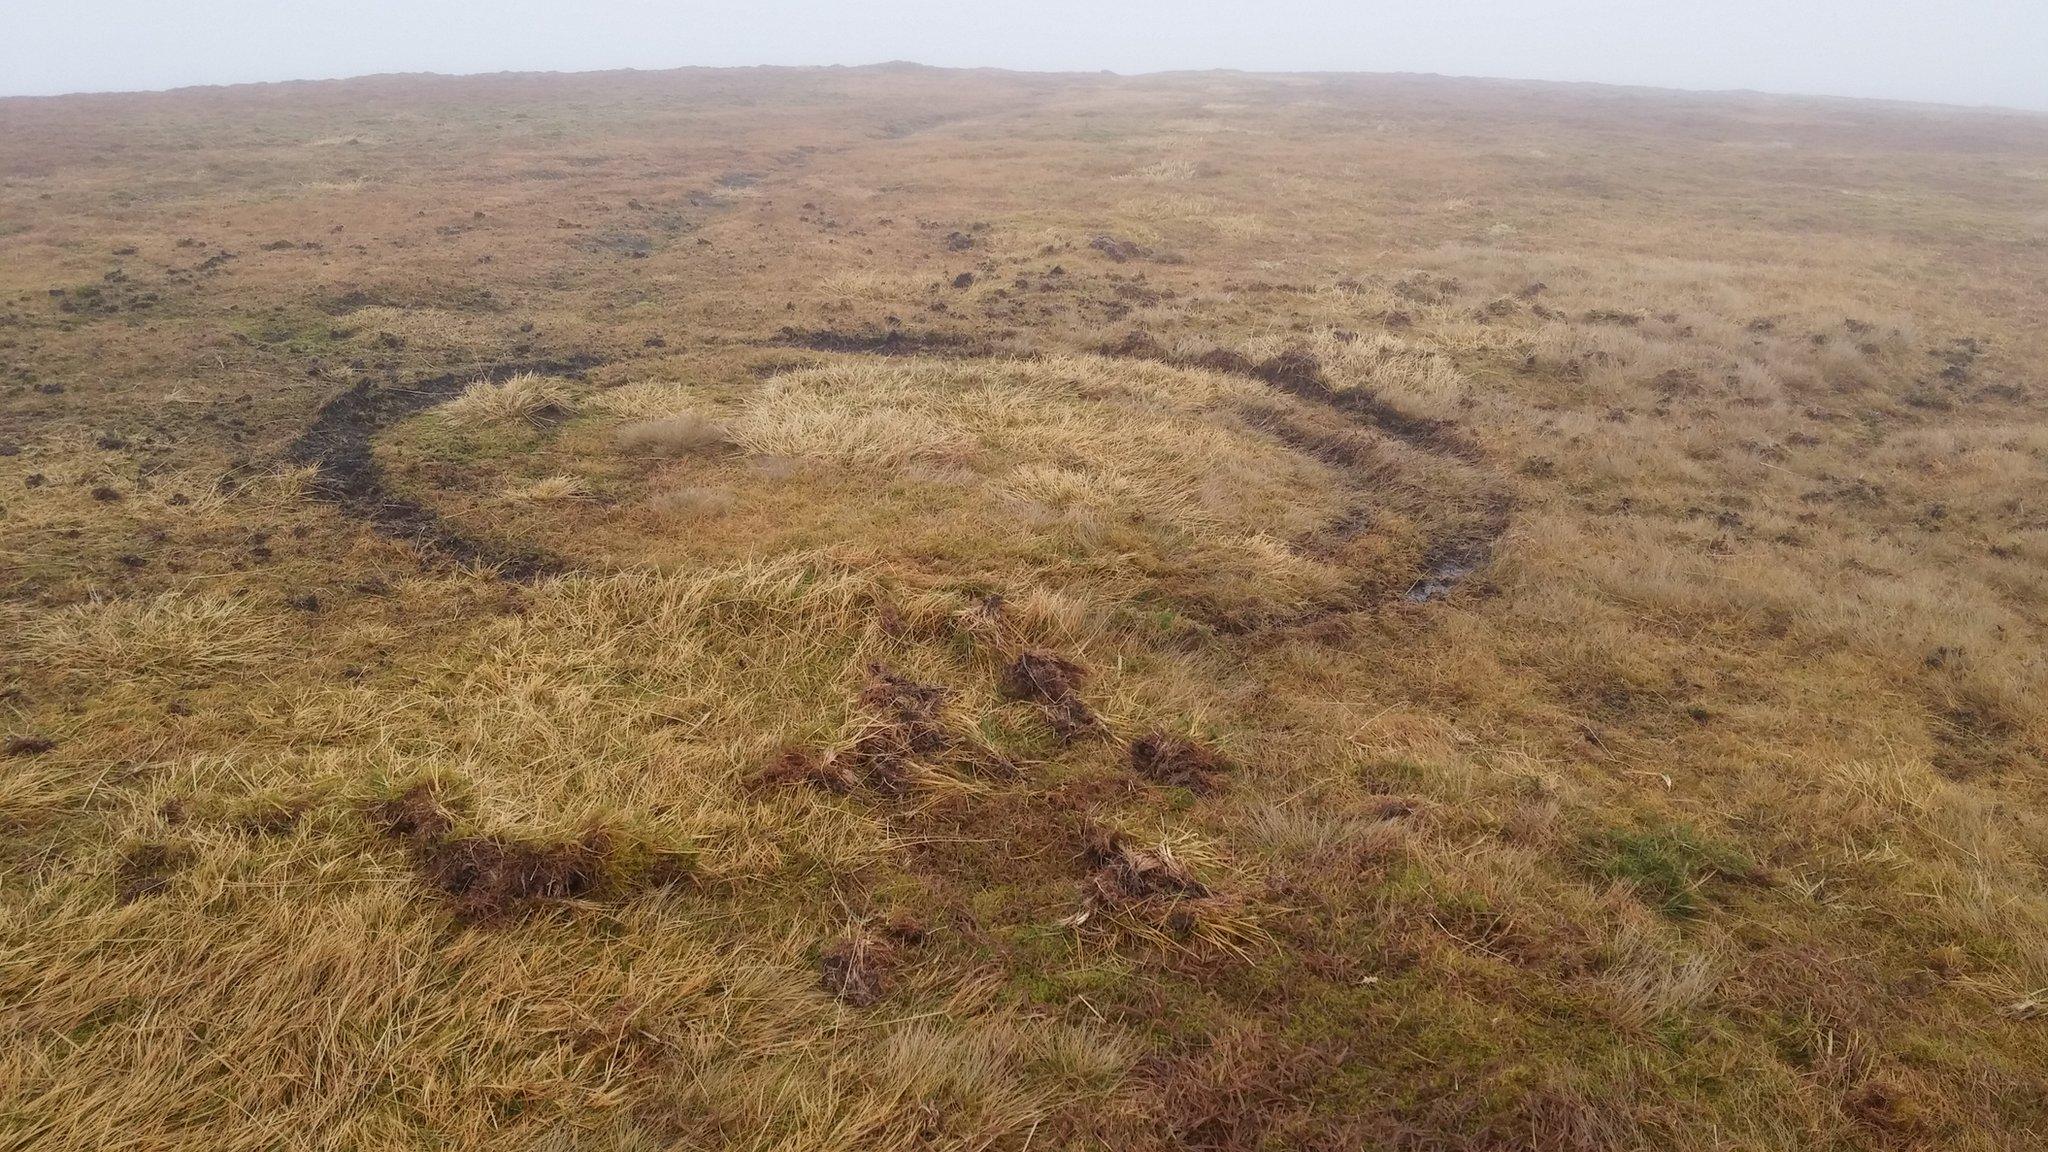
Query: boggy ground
x,y
888,608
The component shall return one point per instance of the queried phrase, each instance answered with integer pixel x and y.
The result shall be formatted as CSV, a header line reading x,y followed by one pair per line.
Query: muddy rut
x,y
340,444
1349,447
1454,556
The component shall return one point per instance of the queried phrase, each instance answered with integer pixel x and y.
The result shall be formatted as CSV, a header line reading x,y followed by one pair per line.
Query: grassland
x,y
886,608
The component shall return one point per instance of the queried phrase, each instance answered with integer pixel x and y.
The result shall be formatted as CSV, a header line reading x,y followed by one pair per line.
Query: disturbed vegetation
x,y
887,608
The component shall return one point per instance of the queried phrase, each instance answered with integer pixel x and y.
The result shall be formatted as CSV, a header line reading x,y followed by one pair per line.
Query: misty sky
x,y
1958,51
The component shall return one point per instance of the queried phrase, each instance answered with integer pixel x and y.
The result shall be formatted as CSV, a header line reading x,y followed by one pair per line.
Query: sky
x,y
1944,51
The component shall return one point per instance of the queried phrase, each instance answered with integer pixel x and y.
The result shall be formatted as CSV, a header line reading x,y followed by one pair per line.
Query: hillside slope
x,y
891,608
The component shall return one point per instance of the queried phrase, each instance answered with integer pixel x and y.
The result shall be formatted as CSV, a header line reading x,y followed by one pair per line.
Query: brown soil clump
x,y
1223,360
902,728
1886,1105
1151,894
413,815
1137,345
488,877
1177,762
856,969
1297,373
903,725
1119,251
904,928
1126,875
901,700
1052,682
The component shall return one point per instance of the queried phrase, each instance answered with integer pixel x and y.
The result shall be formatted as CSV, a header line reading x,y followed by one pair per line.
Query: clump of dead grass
x,y
528,397
1177,761
1324,836
552,488
167,636
902,736
683,433
693,503
1653,975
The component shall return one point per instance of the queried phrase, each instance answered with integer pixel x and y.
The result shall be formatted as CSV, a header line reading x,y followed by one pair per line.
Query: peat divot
x,y
856,969
1176,761
495,878
1052,682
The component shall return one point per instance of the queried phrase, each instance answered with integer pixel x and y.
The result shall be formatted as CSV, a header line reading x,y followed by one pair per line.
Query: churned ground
x,y
888,609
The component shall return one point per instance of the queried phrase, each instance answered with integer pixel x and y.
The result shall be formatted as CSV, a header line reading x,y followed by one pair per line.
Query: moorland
x,y
892,608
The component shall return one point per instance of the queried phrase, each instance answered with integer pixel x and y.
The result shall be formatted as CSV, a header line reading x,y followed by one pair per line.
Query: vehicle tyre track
x,y
1447,563
340,444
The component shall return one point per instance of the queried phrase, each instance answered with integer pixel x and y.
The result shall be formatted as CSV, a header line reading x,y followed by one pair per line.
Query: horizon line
x,y
1889,101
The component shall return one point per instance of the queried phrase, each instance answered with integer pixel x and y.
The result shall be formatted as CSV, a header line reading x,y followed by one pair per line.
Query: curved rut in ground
x,y
340,444
1448,562
1451,559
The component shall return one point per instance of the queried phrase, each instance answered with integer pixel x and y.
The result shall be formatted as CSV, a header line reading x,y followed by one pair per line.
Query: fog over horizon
x,y
1966,52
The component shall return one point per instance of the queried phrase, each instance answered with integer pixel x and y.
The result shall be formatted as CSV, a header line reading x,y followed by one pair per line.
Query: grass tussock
x,y
551,488
676,434
1035,474
168,636
527,397
692,503
1083,449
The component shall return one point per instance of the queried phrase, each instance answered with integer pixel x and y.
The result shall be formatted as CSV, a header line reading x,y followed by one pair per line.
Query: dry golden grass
x,y
553,488
678,433
526,396
166,636
687,687
1121,438
692,503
